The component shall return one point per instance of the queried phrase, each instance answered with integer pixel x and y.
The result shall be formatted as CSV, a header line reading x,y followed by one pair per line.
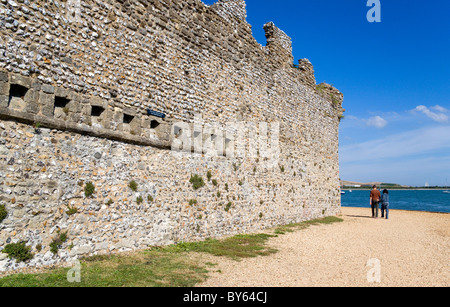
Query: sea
x,y
413,200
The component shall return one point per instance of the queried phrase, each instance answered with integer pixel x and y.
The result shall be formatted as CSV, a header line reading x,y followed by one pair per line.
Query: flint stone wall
x,y
88,76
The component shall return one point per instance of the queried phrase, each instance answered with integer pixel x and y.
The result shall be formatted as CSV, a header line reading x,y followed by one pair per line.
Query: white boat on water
x,y
448,192
342,192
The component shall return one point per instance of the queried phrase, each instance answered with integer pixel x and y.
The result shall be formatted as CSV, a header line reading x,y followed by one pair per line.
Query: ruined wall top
x,y
278,42
231,8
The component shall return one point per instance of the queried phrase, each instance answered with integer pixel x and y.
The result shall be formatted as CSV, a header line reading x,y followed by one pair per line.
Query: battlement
x,y
279,44
231,9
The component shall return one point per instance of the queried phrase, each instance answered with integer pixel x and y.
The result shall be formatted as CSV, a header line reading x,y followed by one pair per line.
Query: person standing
x,y
375,196
385,203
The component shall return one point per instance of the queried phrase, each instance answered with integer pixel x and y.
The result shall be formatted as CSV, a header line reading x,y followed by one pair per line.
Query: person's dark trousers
x,y
374,208
385,207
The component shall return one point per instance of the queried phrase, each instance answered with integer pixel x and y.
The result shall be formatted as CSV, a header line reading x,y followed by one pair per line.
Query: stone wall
x,y
76,85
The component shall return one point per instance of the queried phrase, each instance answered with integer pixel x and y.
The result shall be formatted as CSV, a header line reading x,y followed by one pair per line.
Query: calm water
x,y
416,200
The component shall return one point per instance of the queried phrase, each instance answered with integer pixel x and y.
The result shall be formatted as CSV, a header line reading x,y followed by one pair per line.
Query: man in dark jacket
x,y
375,196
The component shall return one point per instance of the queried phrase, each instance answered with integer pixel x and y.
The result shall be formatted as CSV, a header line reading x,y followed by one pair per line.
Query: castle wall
x,y
88,74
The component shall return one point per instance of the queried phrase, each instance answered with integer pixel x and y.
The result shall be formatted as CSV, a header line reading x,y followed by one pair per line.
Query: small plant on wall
x,y
18,251
37,127
139,200
197,182
71,210
3,213
89,189
133,185
57,242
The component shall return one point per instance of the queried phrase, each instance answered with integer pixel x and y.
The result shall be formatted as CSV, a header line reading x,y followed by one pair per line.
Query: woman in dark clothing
x,y
385,203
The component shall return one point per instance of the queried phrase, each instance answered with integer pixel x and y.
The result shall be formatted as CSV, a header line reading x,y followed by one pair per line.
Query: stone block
x,y
36,85
17,104
21,80
80,250
4,76
74,116
135,126
101,246
62,92
32,107
164,132
95,101
124,243
48,89
31,96
4,101
4,88
47,103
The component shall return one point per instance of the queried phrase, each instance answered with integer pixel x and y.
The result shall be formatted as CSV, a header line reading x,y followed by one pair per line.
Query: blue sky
x,y
395,76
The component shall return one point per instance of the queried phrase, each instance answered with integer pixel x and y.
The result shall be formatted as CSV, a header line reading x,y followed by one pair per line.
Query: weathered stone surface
x,y
80,250
48,89
176,59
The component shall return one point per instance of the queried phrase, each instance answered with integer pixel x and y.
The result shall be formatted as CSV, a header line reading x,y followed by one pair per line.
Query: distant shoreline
x,y
419,211
398,189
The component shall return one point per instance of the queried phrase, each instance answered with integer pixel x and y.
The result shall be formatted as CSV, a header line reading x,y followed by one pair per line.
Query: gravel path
x,y
410,249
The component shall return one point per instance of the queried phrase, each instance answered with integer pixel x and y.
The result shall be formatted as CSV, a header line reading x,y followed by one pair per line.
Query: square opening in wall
x,y
127,119
17,92
61,102
154,124
61,107
97,111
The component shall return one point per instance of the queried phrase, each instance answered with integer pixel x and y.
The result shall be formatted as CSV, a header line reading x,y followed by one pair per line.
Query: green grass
x,y
153,268
306,224
172,266
241,246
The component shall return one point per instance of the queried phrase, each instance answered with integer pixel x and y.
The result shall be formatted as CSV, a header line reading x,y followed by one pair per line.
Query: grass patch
x,y
306,224
153,268
241,246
